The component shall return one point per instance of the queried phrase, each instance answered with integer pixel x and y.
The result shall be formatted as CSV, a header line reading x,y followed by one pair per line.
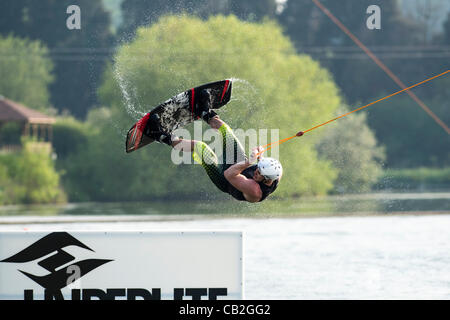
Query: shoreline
x,y
68,219
369,204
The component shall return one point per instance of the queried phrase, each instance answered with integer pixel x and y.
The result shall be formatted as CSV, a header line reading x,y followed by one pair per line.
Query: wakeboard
x,y
177,112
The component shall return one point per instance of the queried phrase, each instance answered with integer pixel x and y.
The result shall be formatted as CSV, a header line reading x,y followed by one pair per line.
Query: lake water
x,y
386,256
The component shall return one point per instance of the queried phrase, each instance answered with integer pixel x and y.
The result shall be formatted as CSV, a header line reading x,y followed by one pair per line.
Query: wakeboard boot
x,y
203,108
155,131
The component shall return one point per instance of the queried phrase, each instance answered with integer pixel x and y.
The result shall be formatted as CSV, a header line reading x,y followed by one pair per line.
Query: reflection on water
x,y
378,203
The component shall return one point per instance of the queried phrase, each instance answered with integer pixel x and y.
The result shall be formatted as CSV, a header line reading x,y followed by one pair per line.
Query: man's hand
x,y
255,156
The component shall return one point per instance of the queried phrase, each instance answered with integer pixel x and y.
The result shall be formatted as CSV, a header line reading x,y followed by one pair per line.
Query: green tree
x,y
69,136
447,29
5,185
31,176
281,90
358,76
25,72
410,136
356,156
413,139
79,56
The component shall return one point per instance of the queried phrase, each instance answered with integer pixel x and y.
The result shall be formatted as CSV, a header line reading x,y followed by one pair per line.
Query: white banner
x,y
121,265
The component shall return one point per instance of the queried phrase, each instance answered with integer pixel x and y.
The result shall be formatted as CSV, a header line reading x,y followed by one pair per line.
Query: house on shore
x,y
17,120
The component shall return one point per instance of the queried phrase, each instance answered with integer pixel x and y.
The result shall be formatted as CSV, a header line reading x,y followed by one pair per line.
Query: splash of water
x,y
129,99
246,86
247,96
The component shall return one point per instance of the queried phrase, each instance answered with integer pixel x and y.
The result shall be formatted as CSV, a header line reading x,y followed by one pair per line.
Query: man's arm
x,y
249,187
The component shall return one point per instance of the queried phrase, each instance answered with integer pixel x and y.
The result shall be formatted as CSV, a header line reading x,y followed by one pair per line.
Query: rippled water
x,y
366,257
376,203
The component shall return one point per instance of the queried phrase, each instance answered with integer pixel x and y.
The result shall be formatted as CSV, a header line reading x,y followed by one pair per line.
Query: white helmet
x,y
270,168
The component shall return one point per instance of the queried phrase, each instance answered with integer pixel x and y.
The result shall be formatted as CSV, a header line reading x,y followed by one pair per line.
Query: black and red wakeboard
x,y
177,112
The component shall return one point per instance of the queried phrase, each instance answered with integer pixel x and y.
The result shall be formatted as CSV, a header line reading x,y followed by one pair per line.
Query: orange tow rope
x,y
301,133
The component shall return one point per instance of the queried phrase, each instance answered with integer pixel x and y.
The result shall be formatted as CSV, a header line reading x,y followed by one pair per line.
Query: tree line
x,y
405,43
80,68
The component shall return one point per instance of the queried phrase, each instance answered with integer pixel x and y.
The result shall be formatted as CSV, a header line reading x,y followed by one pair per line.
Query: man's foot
x,y
155,131
203,108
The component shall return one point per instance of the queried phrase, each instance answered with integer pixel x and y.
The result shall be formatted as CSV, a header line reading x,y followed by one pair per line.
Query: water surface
x,y
376,246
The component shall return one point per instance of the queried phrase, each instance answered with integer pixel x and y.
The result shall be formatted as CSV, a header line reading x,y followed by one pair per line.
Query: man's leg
x,y
232,150
205,156
230,142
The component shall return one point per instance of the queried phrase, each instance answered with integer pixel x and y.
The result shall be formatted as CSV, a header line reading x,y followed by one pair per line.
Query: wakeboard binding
x,y
155,131
203,107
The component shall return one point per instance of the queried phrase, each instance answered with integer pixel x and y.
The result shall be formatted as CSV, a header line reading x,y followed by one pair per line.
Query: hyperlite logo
x,y
54,268
56,279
